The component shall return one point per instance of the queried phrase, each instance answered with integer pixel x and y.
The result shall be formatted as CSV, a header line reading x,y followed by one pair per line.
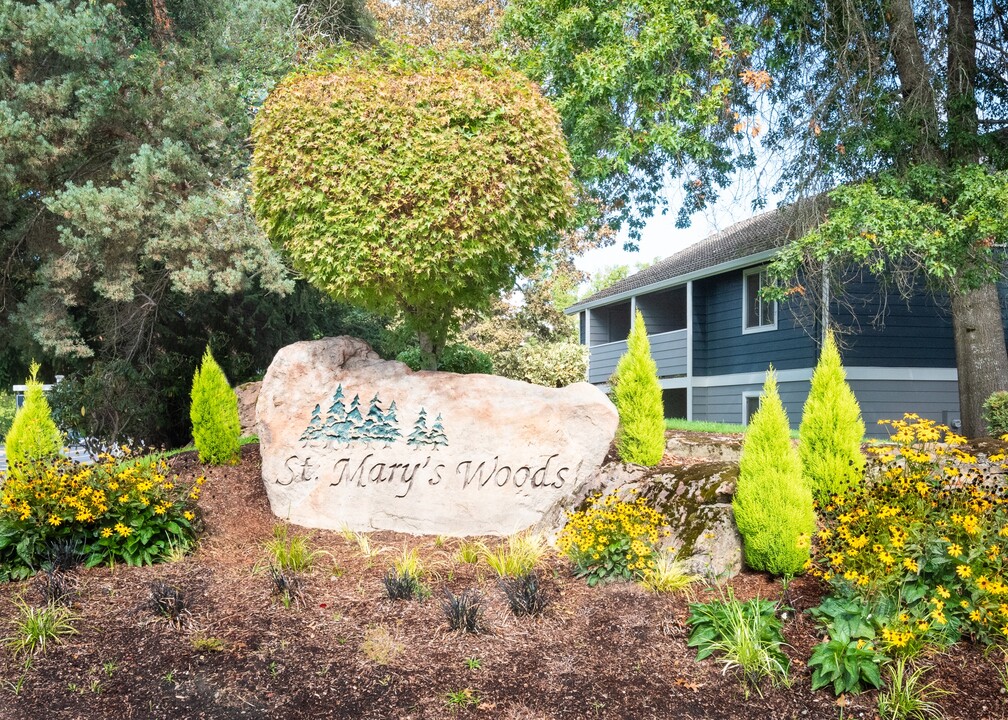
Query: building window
x,y
758,314
750,404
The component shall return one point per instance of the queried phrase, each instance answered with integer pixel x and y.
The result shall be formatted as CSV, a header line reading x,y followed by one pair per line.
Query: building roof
x,y
755,235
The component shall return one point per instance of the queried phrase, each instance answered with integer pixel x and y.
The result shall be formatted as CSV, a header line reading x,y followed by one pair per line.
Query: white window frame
x,y
746,274
746,397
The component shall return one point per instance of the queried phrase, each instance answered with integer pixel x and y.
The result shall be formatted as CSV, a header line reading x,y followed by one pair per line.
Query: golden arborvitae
x,y
831,432
638,397
33,435
214,414
773,508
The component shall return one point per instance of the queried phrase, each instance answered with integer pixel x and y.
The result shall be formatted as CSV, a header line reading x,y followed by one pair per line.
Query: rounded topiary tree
x,y
214,414
410,181
772,506
831,431
33,435
637,394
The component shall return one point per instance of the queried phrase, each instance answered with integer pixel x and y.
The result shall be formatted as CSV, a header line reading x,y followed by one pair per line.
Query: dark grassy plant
x,y
525,593
403,586
168,601
464,612
286,584
54,586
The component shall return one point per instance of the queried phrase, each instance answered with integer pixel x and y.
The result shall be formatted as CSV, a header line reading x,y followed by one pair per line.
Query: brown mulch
x,y
347,652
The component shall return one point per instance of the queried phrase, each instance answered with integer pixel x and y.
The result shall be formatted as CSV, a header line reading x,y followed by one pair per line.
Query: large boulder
x,y
695,499
248,396
350,440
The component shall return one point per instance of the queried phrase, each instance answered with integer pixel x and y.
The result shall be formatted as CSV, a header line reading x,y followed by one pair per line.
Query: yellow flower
x,y
954,550
943,592
106,532
54,520
123,530
964,571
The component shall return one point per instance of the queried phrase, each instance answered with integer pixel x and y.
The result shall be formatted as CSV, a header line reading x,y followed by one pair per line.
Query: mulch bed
x,y
347,652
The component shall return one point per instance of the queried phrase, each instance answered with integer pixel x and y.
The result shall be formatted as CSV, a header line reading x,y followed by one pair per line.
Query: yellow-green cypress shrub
x,y
773,507
214,414
638,397
831,432
33,435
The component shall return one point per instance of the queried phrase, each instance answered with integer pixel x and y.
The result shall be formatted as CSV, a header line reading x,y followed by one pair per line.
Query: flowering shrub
x,y
612,538
928,531
130,510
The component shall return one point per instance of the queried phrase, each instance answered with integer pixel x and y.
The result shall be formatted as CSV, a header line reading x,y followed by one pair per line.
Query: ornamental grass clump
x,y
214,415
831,431
612,539
33,435
637,394
927,534
110,510
773,507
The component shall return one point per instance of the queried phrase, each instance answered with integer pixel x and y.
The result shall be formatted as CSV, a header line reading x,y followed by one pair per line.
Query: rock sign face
x,y
350,440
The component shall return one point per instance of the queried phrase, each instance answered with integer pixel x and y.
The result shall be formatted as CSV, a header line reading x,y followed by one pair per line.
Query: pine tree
x,y
392,432
314,429
419,435
831,432
773,507
337,426
214,414
371,428
437,435
638,397
33,435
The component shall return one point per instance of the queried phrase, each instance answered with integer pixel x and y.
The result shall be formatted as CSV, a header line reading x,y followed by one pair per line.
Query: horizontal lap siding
x,y
889,400
724,404
669,353
721,348
914,334
603,359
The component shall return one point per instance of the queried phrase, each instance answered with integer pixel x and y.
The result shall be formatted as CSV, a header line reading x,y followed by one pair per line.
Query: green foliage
x,y
667,575
456,358
117,510
34,628
516,556
773,508
907,696
403,581
548,364
831,432
7,409
640,438
747,634
289,552
925,535
995,413
848,660
704,426
612,539
453,176
33,435
214,414
642,90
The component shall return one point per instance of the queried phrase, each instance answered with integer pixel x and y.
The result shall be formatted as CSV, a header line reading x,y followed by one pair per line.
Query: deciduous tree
x,y
411,181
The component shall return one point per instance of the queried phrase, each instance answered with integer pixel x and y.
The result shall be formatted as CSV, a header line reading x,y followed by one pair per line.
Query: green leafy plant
x,y
474,663
849,660
457,358
995,413
516,556
612,538
214,414
746,634
8,409
773,507
640,438
461,699
667,575
33,435
205,643
556,364
35,628
907,696
111,509
455,176
831,431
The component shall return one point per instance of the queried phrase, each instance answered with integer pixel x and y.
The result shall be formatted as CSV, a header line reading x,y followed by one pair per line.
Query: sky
x,y
660,237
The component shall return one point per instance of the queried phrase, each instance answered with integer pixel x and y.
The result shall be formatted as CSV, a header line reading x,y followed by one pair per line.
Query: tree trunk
x,y
961,105
919,104
980,353
430,351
